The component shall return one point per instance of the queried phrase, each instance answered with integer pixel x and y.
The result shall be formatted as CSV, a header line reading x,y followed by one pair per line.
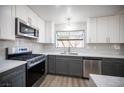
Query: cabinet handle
x,y
108,39
90,40
100,67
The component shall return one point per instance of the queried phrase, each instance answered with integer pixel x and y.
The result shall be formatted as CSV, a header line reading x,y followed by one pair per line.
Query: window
x,y
70,39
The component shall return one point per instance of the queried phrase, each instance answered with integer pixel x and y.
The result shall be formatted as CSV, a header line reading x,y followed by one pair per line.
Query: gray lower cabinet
x,y
13,78
75,69
69,65
61,67
19,81
109,69
51,64
113,67
121,69
73,66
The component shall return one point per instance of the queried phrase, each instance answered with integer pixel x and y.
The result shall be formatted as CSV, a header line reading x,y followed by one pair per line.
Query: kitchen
x,y
61,46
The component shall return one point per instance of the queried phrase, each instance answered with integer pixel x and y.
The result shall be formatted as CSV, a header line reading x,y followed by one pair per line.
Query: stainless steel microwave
x,y
26,30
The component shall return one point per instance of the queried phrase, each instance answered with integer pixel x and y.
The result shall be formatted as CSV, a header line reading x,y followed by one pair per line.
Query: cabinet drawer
x,y
113,60
51,57
69,58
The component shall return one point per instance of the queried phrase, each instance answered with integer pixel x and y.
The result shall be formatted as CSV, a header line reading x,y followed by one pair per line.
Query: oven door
x,y
35,73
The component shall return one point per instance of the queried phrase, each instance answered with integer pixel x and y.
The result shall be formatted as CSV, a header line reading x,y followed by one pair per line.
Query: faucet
x,y
68,51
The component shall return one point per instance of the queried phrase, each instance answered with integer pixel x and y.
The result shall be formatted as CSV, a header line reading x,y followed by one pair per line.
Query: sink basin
x,y
71,53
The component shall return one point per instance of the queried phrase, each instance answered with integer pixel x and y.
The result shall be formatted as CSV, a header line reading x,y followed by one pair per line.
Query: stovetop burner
x,y
25,57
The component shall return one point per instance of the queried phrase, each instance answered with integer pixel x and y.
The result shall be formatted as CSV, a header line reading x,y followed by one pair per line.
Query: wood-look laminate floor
x,y
63,81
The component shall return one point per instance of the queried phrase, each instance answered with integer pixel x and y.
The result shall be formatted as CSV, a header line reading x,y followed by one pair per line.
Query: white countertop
x,y
88,55
107,81
9,64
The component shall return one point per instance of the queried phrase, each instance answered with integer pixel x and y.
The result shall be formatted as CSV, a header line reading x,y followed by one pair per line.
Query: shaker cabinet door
x,y
113,29
109,69
7,22
51,64
121,28
102,30
91,30
62,67
75,69
113,67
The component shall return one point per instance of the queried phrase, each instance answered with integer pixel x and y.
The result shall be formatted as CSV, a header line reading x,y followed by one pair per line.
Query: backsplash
x,y
89,48
20,42
92,48
122,49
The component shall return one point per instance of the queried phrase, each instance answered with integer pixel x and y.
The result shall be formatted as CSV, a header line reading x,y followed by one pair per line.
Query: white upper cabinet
x,y
49,32
91,30
25,13
7,22
101,29
41,25
104,29
122,29
113,29
46,32
22,12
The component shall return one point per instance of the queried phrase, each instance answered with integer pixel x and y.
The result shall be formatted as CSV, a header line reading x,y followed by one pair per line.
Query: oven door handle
x,y
32,65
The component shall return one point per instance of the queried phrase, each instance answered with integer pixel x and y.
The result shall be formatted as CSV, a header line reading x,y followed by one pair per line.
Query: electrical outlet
x,y
116,47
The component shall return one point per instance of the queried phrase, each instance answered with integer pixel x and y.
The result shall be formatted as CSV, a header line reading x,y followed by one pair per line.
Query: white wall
x,y
73,26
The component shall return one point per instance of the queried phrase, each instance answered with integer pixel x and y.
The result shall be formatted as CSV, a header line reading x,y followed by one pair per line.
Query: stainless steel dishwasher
x,y
91,65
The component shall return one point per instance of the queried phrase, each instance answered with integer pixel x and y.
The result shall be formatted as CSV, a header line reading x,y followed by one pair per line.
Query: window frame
x,y
83,46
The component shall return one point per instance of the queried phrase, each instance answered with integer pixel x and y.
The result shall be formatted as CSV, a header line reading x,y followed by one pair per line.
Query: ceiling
x,y
77,13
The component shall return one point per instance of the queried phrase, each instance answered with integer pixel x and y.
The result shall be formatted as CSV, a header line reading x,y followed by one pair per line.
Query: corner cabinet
x,y
41,26
7,22
49,32
51,64
46,32
104,29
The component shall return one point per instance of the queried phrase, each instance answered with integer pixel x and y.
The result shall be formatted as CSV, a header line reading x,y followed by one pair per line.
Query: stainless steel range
x,y
35,63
